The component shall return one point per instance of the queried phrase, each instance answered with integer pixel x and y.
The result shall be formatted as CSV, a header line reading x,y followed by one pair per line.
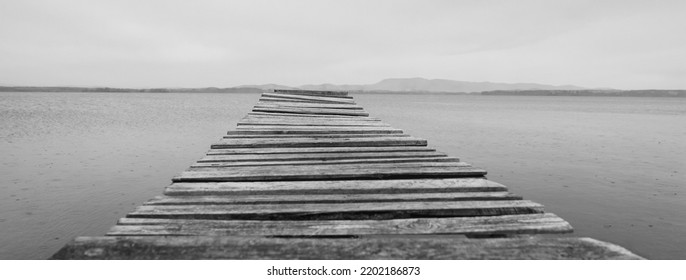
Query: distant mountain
x,y
267,86
437,85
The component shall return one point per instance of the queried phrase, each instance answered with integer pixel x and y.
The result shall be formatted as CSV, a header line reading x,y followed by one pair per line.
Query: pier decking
x,y
309,175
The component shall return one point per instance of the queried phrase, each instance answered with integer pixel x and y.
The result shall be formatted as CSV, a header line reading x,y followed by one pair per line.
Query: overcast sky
x,y
619,44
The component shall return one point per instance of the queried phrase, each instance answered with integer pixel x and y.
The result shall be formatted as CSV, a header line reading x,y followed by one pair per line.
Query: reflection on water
x,y
73,163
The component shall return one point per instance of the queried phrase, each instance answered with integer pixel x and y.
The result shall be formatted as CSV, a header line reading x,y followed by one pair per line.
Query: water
x,y
73,163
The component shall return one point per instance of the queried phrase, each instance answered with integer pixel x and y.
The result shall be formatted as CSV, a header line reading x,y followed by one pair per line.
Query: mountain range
x,y
424,85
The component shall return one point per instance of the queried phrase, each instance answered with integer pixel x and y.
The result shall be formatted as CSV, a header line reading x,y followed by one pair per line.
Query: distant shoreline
x,y
607,93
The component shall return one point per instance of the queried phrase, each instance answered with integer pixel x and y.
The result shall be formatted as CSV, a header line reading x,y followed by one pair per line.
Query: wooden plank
x,y
294,110
326,172
383,247
344,107
341,94
329,198
336,187
319,156
309,98
319,142
264,151
339,211
275,99
306,105
278,122
310,135
199,165
299,119
254,115
257,129
340,168
545,223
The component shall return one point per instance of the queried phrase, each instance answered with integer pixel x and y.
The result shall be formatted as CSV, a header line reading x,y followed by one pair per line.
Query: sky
x,y
168,43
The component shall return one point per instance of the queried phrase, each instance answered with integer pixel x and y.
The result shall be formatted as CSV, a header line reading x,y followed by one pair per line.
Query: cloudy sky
x,y
165,43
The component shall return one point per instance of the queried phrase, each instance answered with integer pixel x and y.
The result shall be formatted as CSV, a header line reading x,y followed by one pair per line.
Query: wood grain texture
x,y
336,187
306,150
279,99
319,142
300,119
256,115
329,198
327,172
546,223
256,129
307,105
317,162
386,247
290,135
340,94
320,156
309,98
278,122
294,110
339,211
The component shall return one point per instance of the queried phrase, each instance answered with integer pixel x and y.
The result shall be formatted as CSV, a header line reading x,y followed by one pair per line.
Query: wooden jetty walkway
x,y
309,175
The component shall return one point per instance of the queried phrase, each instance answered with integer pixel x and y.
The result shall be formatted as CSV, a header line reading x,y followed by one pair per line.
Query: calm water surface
x,y
73,163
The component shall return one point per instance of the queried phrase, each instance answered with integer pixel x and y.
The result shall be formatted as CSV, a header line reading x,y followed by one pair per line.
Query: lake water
x,y
73,163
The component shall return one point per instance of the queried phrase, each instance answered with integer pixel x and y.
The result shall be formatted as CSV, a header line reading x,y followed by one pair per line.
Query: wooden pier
x,y
309,175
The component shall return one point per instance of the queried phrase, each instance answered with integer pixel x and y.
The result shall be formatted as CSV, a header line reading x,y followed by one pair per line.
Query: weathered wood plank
x,y
329,198
276,99
301,150
326,172
306,117
336,187
300,119
402,248
339,211
320,156
338,162
316,168
319,142
295,110
250,136
546,223
309,98
340,94
306,105
278,122
256,129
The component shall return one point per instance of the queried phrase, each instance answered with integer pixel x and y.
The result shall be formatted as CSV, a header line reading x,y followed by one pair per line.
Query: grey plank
x,y
401,248
318,150
329,198
307,105
339,211
545,223
320,135
327,172
295,110
325,93
309,98
257,129
318,162
320,156
257,115
336,187
277,99
301,119
319,142
278,122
